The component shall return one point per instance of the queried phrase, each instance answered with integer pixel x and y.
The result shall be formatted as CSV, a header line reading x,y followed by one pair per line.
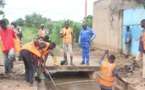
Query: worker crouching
x,y
32,54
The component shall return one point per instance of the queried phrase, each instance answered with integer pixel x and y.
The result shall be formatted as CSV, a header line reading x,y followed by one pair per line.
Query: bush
x,y
29,34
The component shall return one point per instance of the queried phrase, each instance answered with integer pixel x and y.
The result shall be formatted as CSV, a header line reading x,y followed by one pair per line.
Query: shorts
x,y
68,47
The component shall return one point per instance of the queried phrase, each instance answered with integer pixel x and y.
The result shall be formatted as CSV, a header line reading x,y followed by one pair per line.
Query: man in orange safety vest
x,y
108,73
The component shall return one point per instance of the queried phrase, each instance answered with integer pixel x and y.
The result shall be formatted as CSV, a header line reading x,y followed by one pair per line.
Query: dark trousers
x,y
29,67
105,89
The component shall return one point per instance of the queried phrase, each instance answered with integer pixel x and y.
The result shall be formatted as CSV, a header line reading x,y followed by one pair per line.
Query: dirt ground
x,y
16,81
95,54
133,78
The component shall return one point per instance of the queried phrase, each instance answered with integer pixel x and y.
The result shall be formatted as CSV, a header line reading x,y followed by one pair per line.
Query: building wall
x,y
107,23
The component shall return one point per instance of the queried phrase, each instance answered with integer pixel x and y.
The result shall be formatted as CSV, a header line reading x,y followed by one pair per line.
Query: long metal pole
x,y
86,11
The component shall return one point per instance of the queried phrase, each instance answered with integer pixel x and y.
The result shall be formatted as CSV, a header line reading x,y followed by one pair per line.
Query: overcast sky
x,y
54,9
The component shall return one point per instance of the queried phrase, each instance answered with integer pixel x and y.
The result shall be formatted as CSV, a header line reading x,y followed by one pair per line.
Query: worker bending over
x,y
32,54
47,39
108,73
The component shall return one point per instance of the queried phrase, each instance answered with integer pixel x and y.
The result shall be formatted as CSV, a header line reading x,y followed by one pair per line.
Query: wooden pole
x,y
85,12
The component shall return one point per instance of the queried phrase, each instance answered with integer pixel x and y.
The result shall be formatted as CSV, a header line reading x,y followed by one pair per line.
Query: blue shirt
x,y
86,35
115,73
141,49
128,36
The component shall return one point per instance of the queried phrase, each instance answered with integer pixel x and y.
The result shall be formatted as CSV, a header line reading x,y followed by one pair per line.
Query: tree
x,y
49,25
34,20
89,21
20,22
1,12
2,4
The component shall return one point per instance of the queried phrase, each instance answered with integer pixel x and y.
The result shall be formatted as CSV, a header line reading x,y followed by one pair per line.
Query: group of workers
x,y
35,53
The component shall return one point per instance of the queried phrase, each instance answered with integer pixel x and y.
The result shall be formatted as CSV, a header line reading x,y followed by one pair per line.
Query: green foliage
x,y
35,20
20,22
29,34
49,25
7,21
31,25
55,34
1,12
76,26
2,3
89,20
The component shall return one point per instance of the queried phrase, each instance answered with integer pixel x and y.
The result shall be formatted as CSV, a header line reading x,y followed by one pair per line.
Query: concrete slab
x,y
94,66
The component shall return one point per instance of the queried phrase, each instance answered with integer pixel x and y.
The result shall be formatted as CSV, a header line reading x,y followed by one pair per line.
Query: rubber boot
x,y
55,60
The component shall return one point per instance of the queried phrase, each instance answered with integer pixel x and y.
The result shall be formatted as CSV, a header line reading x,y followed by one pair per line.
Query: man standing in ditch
x,y
141,52
108,72
85,38
67,40
127,41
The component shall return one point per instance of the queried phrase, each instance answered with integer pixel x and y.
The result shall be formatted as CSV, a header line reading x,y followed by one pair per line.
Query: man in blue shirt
x,y
128,36
86,36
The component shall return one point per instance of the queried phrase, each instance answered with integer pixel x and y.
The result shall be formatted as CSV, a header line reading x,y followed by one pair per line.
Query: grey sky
x,y
54,9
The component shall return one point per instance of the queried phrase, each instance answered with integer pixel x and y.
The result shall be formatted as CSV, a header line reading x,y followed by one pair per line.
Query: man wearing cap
x,y
42,31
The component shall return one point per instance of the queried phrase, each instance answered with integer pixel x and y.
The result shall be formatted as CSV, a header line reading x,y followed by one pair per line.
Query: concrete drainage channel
x,y
70,81
79,81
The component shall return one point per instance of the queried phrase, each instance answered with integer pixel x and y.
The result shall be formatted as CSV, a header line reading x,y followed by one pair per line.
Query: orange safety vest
x,y
46,50
32,48
40,32
17,45
107,77
144,41
68,38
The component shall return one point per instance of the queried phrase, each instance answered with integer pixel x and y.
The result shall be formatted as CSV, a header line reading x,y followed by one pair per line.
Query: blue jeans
x,y
8,60
85,52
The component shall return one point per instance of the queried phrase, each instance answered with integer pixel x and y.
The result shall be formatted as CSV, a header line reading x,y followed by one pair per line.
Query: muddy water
x,y
72,81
